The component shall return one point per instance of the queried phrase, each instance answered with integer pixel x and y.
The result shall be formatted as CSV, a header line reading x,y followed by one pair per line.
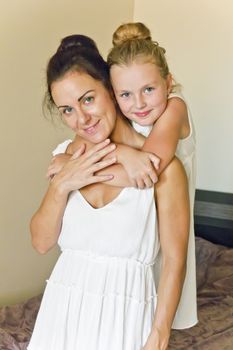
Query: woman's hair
x,y
76,53
133,42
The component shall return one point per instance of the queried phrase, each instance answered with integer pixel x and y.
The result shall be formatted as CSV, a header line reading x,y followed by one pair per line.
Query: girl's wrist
x,y
118,153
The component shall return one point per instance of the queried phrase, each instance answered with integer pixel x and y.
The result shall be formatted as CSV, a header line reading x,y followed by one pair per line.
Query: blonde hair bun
x,y
130,31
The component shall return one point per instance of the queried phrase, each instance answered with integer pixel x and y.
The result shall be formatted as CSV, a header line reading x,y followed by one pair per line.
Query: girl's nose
x,y
139,102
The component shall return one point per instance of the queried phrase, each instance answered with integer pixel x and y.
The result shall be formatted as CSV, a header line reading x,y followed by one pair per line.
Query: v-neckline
x,y
106,205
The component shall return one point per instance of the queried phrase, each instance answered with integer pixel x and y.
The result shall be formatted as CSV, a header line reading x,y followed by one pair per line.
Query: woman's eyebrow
x,y
79,99
65,106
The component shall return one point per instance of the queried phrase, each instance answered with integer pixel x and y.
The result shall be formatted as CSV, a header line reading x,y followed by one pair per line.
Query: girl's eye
x,y
88,100
125,94
148,89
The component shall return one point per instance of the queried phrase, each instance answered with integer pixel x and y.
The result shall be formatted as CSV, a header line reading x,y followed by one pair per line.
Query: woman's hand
x,y
57,163
79,171
140,166
156,341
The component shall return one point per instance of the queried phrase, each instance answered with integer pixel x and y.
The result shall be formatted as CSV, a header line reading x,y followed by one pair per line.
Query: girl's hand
x,y
79,171
156,341
140,166
56,164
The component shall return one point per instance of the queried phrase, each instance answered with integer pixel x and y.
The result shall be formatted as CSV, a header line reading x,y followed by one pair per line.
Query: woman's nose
x,y
83,117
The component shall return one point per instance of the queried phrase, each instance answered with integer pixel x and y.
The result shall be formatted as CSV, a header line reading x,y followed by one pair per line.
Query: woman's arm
x,y
139,167
173,219
78,172
166,132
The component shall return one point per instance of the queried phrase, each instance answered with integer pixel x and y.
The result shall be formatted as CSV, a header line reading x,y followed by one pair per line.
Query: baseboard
x,y
213,216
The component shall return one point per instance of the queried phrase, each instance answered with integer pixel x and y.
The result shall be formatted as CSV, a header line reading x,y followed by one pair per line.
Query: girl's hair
x,y
76,53
133,42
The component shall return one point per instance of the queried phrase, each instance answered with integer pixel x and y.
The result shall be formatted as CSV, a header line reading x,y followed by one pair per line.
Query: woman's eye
x,y
87,100
149,89
125,94
67,110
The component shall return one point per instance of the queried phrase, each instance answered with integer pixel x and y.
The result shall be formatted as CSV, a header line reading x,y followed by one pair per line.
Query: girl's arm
x,y
78,172
173,218
172,125
140,167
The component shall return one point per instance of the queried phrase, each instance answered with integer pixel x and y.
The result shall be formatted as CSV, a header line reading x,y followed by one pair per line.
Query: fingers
x,y
155,160
148,182
49,174
102,164
98,147
153,176
101,178
94,156
140,184
79,152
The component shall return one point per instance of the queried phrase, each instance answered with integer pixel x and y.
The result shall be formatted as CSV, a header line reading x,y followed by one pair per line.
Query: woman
x,y
101,294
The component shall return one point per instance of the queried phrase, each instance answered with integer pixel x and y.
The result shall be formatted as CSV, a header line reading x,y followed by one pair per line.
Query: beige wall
x,y
29,33
198,36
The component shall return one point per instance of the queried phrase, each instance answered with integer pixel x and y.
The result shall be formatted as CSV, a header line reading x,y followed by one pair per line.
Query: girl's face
x,y
140,91
85,105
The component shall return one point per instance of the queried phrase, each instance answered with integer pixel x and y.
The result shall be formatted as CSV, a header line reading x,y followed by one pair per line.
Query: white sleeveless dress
x,y
186,315
101,294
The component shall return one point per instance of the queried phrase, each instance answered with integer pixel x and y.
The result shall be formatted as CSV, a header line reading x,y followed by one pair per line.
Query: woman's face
x,y
85,105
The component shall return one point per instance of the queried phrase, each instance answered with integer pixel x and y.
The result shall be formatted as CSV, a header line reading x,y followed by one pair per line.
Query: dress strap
x,y
62,147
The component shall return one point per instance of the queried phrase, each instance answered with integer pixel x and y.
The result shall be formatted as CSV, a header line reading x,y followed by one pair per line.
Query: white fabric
x,y
101,294
186,315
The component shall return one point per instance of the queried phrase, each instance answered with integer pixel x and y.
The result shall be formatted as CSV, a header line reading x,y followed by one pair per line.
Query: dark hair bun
x,y
77,41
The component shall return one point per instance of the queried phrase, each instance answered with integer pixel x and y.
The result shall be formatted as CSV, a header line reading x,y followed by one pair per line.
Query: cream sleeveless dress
x,y
101,294
186,315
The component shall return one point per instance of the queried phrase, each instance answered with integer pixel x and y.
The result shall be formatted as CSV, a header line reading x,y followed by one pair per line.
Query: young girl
x,y
148,97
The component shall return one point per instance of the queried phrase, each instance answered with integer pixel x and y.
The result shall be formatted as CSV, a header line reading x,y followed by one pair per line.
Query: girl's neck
x,y
125,134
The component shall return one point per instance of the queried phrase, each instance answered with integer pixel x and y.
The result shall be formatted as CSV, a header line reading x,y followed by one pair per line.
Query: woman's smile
x,y
86,106
93,128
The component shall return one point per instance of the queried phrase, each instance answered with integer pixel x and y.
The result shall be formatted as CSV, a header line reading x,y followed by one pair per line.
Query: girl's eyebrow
x,y
154,82
79,99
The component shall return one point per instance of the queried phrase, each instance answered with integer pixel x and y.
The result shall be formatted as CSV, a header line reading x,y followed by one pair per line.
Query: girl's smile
x,y
141,91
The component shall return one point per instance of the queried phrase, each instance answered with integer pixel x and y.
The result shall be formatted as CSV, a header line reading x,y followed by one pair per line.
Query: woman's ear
x,y
111,92
169,81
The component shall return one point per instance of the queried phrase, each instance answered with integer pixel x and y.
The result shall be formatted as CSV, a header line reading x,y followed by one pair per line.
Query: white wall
x,y
30,30
198,37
